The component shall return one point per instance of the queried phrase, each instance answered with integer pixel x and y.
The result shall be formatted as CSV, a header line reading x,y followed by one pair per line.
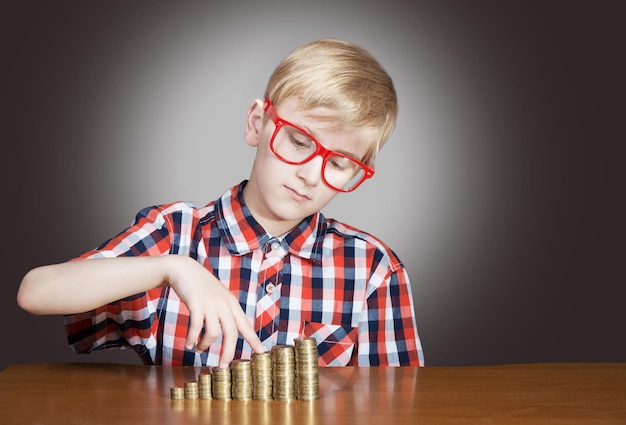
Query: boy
x,y
261,265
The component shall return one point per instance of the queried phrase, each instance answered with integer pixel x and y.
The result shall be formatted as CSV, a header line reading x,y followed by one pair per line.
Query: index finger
x,y
248,333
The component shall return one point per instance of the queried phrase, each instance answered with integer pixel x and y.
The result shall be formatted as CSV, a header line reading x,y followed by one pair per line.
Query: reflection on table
x,y
533,394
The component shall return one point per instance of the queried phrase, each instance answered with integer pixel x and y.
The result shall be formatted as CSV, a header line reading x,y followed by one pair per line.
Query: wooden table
x,y
132,394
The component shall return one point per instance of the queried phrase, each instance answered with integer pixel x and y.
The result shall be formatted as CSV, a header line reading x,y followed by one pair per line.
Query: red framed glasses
x,y
295,146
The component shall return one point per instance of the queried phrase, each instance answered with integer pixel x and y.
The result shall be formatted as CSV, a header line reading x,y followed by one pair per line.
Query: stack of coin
x,y
261,376
221,384
177,393
242,380
191,390
307,372
284,372
204,386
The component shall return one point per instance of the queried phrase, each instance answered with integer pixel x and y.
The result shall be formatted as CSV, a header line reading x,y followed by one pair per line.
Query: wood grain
x,y
586,393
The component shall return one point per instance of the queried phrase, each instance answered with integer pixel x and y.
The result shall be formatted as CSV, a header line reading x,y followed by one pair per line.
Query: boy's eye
x,y
300,140
341,163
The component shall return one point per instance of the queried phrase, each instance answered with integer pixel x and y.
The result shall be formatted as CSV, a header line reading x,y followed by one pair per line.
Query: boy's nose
x,y
311,172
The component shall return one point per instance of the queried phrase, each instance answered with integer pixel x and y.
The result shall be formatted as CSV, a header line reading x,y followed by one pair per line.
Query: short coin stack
x,y
261,376
241,380
307,372
221,384
178,393
191,390
284,372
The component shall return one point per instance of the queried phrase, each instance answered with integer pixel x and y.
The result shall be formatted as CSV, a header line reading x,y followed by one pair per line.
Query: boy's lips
x,y
297,195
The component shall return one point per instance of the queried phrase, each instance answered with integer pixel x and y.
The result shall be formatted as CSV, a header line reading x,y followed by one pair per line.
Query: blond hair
x,y
340,76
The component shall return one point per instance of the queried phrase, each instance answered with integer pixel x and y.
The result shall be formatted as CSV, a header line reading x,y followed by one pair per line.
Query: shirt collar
x,y
242,234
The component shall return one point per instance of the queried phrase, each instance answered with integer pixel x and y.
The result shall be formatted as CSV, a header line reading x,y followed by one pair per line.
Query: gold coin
x,y
177,393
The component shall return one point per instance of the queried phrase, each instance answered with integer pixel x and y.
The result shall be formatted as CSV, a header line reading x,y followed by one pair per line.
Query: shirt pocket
x,y
335,343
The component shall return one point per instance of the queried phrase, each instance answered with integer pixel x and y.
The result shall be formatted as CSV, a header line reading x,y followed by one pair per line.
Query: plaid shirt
x,y
323,279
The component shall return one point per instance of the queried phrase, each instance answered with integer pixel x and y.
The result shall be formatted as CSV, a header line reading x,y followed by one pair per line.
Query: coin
x,y
204,386
283,372
177,393
241,380
191,390
307,371
262,384
221,383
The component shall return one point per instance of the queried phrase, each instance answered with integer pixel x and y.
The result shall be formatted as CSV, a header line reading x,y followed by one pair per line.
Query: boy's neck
x,y
271,226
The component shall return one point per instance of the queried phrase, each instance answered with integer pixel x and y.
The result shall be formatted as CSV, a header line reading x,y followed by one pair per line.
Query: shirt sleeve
x,y
132,321
388,331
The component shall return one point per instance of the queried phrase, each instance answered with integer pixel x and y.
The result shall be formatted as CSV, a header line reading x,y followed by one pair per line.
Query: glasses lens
x,y
342,172
294,146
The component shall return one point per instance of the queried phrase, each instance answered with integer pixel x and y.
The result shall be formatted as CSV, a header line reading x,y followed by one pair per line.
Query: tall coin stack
x,y
242,380
221,383
283,372
261,376
307,372
204,386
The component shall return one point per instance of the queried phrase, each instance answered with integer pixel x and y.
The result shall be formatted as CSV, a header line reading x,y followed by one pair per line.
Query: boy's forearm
x,y
79,286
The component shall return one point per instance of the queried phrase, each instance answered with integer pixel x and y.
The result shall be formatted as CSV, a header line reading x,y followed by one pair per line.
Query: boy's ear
x,y
254,123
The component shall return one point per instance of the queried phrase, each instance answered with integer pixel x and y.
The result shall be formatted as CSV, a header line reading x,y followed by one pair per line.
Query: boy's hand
x,y
212,305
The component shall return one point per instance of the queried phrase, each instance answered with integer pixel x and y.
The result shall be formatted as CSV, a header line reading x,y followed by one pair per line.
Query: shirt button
x,y
275,245
270,288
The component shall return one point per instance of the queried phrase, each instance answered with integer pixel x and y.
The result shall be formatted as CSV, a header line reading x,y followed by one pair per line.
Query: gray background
x,y
499,189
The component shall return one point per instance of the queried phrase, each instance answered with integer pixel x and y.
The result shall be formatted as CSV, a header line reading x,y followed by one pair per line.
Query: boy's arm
x,y
79,286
